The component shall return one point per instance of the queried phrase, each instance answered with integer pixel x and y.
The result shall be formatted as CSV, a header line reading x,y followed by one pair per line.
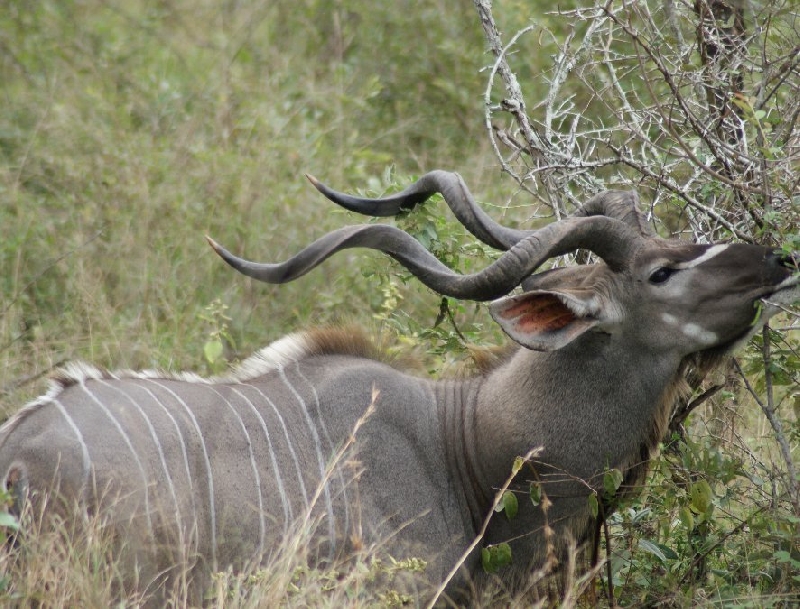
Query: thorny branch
x,y
768,408
701,113
695,103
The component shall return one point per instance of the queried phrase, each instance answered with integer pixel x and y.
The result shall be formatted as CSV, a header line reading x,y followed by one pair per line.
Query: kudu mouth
x,y
785,293
791,263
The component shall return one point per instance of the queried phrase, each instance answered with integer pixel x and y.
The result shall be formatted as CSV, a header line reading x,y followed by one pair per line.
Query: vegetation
x,y
128,130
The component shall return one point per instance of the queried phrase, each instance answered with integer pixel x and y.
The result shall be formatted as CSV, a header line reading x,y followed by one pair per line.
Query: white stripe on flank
x,y
127,439
87,462
288,515
320,459
262,528
207,462
15,419
332,447
183,451
289,444
159,448
711,252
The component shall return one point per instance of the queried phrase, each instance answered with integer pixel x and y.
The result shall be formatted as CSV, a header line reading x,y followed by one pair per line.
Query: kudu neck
x,y
456,401
564,401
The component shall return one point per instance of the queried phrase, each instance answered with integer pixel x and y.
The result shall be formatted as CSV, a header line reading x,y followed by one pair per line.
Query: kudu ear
x,y
546,320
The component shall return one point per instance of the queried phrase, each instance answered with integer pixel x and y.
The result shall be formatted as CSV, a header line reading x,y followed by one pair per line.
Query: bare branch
x,y
768,408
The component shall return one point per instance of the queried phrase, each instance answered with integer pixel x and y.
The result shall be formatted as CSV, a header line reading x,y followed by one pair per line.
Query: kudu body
x,y
223,469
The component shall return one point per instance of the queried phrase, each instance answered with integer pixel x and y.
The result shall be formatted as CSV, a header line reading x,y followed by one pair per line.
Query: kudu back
x,y
220,470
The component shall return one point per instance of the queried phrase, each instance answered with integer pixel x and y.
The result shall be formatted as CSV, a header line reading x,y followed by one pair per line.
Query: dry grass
x,y
55,564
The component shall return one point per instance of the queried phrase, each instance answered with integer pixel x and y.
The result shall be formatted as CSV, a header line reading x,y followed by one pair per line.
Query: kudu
x,y
227,466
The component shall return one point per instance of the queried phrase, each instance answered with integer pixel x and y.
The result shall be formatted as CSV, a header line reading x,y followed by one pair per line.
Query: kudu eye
x,y
661,275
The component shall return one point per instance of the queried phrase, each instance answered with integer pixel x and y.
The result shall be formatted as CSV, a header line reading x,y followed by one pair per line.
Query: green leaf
x,y
430,231
495,557
518,463
701,498
213,350
424,240
9,521
651,548
594,506
668,552
759,307
685,515
508,503
782,556
503,554
743,103
536,493
612,480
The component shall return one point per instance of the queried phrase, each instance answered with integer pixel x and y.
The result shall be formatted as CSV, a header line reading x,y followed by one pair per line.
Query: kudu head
x,y
665,295
668,296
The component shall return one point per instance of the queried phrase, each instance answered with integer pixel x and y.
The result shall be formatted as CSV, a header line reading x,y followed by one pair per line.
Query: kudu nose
x,y
789,260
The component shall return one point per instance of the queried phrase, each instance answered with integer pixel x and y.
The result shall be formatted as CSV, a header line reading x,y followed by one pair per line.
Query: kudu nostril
x,y
791,260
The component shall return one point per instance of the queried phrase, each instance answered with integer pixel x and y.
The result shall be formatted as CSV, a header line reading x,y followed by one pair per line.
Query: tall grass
x,y
128,130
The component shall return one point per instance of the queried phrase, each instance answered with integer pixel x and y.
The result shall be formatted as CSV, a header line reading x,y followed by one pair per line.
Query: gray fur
x,y
220,470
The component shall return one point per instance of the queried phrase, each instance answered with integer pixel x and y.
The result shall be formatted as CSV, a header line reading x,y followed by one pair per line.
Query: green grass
x,y
129,130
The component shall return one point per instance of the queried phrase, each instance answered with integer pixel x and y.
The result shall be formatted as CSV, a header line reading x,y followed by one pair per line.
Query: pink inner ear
x,y
539,313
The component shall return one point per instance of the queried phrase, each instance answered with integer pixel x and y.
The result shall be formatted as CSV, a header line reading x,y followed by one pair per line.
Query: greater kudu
x,y
228,465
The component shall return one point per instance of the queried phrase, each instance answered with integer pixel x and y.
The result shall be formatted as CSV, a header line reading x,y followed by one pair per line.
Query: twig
x,y
769,411
708,550
515,104
487,98
534,452
680,415
607,536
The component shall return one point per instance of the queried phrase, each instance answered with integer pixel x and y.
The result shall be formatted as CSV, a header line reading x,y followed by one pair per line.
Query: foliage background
x,y
128,130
